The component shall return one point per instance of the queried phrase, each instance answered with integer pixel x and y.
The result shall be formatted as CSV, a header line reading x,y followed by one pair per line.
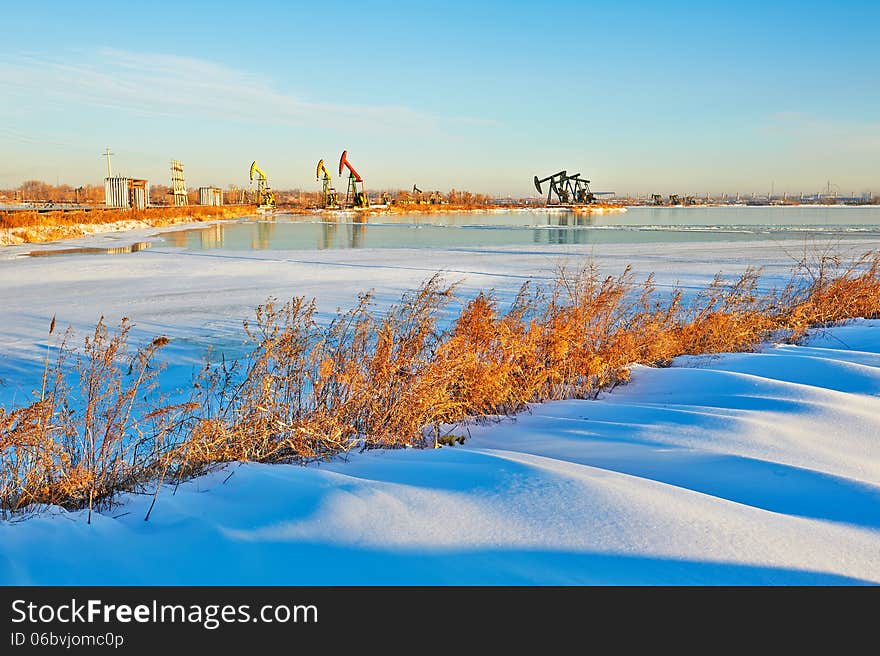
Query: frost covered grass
x,y
308,390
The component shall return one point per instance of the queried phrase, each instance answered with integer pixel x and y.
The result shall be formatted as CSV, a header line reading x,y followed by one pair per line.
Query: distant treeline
x,y
39,191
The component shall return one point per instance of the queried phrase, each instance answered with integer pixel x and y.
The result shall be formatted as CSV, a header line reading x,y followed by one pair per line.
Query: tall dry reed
x,y
307,390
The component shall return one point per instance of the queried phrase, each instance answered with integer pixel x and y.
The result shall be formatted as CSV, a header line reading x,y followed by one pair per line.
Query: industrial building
x,y
126,193
210,196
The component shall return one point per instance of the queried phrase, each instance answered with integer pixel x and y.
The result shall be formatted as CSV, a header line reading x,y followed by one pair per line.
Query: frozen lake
x,y
198,282
641,225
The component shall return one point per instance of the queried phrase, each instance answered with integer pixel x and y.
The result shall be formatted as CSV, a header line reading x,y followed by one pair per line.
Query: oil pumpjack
x,y
557,186
568,189
580,190
329,196
265,195
353,197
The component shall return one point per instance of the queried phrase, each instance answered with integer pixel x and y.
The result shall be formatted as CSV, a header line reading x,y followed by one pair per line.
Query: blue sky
x,y
640,97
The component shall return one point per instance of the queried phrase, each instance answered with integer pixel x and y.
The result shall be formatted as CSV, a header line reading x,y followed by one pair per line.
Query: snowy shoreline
x,y
756,468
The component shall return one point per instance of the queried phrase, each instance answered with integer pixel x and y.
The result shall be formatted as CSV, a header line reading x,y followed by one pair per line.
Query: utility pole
x,y
107,154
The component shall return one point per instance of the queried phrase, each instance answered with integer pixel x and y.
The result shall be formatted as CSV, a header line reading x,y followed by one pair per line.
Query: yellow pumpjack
x,y
329,196
265,194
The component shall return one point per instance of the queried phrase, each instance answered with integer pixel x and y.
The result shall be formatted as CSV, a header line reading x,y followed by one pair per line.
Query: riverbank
x,y
37,227
24,227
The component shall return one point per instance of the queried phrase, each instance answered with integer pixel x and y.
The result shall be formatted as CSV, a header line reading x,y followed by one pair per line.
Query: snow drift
x,y
755,468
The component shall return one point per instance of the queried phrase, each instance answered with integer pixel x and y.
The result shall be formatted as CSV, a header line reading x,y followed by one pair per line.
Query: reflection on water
x,y
175,239
329,235
116,250
565,220
263,238
348,236
516,228
482,230
213,236
358,231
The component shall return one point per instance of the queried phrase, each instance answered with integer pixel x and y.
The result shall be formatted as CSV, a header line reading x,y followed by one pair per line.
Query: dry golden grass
x,y
32,227
76,446
307,391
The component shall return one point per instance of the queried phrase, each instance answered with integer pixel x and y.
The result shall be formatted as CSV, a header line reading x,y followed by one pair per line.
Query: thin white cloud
x,y
170,85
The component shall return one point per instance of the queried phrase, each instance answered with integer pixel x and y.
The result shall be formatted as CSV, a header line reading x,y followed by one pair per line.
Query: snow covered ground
x,y
759,468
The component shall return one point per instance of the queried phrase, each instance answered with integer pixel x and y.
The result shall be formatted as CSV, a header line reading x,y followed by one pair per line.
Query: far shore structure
x,y
210,196
560,190
126,193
